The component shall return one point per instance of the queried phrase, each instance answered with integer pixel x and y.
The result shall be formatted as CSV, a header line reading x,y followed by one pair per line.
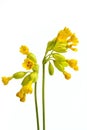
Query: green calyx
x,y
36,68
32,57
32,76
19,74
60,47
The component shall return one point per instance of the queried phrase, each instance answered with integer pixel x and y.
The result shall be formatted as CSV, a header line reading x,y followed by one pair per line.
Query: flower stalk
x,y
36,106
54,55
43,94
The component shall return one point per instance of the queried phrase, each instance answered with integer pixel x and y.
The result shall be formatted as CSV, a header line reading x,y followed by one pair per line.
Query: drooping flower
x,y
26,89
73,64
28,64
24,50
6,80
72,42
73,39
67,75
63,35
21,95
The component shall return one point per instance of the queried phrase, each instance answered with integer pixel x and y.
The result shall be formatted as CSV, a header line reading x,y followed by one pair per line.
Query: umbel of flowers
x,y
28,77
64,41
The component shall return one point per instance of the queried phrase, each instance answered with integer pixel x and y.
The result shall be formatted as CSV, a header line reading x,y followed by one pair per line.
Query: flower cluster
x,y
30,63
55,48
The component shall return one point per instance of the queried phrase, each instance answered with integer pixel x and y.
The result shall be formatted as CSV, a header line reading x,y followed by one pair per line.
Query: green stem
x,y
43,95
36,106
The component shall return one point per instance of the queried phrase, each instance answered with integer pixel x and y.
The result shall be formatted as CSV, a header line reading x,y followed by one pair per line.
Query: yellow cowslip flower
x,y
67,75
26,89
73,39
73,64
6,80
21,95
70,46
63,35
28,64
24,50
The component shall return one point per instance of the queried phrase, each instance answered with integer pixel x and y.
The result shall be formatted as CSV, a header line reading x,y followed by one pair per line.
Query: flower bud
x,y
50,69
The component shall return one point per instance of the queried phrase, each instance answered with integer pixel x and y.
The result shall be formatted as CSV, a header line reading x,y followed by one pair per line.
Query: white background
x,y
34,23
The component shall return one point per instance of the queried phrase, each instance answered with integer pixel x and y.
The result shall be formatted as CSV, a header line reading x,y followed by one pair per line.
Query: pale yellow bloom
x,y
74,40
73,64
6,80
63,35
70,46
28,64
67,75
27,89
24,50
21,95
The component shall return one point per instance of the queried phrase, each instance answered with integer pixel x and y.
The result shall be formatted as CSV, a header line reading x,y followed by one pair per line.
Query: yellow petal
x,y
24,50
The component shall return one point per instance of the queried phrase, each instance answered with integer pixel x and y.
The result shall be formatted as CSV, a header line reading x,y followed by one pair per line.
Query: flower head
x,y
28,64
24,50
6,80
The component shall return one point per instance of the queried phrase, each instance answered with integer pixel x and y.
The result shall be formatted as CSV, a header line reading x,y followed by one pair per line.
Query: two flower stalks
x,y
64,41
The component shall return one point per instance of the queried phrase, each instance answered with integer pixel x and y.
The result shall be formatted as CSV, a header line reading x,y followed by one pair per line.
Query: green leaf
x,y
50,69
59,66
32,57
26,80
58,57
19,74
